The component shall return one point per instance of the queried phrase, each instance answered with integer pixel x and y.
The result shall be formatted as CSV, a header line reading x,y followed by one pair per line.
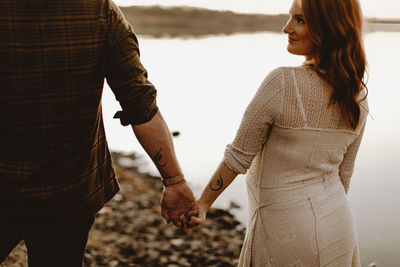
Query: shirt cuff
x,y
127,118
235,160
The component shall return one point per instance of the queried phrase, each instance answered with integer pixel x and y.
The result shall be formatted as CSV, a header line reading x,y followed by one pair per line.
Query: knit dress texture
x,y
300,154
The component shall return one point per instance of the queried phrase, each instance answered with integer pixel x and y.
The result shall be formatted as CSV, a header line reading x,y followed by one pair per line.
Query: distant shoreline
x,y
191,22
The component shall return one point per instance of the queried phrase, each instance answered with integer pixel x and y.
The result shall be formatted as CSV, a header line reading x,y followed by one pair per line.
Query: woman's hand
x,y
222,178
195,222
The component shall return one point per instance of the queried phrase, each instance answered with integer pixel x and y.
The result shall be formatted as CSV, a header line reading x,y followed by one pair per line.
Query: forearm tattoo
x,y
157,159
219,184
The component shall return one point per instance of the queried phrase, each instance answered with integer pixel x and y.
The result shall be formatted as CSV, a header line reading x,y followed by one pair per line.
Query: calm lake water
x,y
205,84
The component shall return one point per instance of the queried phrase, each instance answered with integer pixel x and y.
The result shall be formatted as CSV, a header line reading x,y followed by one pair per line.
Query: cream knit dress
x,y
300,154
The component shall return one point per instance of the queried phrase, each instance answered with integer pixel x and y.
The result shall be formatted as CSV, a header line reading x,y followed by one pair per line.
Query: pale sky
x,y
371,8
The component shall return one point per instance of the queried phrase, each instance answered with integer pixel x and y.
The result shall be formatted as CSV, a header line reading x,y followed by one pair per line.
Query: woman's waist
x,y
320,187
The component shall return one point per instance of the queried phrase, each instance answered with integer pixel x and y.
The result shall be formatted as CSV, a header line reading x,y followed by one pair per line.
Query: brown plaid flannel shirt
x,y
54,56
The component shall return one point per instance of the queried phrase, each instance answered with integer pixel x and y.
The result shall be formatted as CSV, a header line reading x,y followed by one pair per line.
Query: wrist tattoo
x,y
157,159
219,184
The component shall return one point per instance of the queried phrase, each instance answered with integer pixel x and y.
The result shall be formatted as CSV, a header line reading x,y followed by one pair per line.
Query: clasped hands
x,y
179,206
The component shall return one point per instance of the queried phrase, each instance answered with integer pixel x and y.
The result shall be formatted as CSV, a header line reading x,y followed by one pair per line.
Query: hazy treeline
x,y
191,22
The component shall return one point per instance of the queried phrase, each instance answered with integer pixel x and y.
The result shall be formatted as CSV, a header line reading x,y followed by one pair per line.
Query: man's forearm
x,y
155,138
177,199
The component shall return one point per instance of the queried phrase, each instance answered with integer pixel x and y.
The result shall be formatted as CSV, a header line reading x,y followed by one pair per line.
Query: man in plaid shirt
x,y
55,167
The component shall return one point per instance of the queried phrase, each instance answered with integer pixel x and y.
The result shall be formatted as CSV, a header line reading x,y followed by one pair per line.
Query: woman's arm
x,y
265,106
220,180
346,168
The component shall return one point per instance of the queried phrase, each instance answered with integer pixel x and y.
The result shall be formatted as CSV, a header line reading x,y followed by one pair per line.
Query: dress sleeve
x,y
124,72
260,114
346,168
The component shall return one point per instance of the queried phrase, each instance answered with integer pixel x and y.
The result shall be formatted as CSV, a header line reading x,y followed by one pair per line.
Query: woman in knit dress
x,y
299,138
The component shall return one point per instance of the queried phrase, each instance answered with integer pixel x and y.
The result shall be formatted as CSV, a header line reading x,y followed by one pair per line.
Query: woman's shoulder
x,y
287,71
276,74
298,69
273,77
363,98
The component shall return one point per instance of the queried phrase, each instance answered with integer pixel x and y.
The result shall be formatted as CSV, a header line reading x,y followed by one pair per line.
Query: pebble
x,y
177,242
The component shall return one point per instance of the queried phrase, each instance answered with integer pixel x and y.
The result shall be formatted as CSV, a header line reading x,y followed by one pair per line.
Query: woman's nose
x,y
288,28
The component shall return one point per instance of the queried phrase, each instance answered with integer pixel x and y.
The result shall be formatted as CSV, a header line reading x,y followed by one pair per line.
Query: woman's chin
x,y
294,51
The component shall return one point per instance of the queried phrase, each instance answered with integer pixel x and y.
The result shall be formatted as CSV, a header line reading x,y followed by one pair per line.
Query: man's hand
x,y
177,200
195,221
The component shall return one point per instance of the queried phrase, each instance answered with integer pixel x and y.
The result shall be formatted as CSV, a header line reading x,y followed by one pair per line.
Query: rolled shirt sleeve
x,y
260,114
125,74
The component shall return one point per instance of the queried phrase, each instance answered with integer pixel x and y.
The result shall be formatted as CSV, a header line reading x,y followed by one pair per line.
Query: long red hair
x,y
335,26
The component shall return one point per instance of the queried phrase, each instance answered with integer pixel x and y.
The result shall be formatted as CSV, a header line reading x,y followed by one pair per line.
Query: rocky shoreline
x,y
129,230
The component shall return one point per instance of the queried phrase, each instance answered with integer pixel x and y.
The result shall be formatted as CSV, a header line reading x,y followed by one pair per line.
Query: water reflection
x,y
204,86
